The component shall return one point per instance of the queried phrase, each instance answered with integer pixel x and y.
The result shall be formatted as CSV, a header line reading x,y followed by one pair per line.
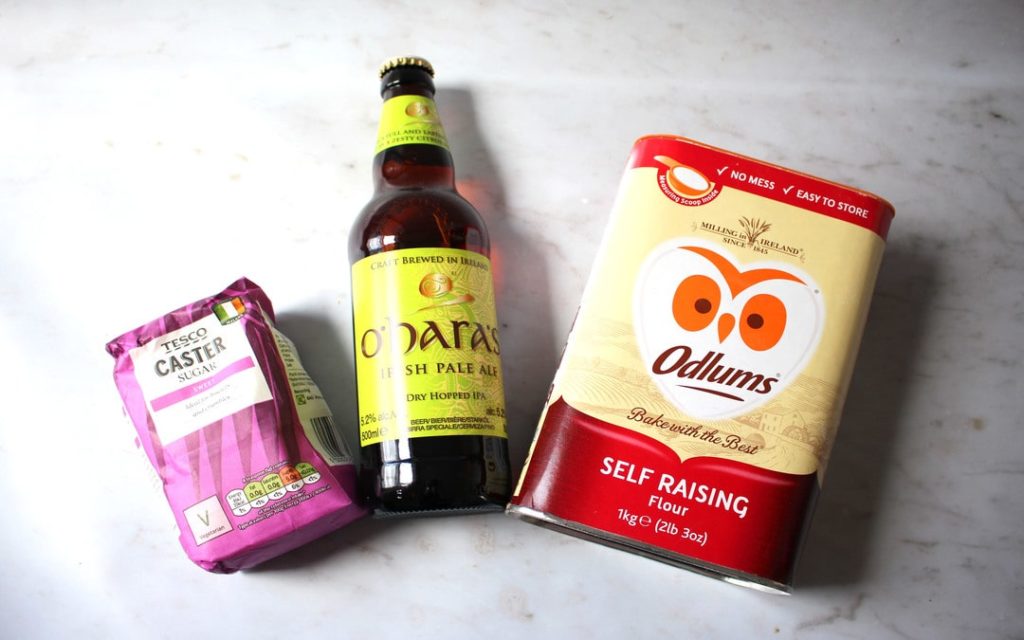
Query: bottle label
x,y
410,119
426,342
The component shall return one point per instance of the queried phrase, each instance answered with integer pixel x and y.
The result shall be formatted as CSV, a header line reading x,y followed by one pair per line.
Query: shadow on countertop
x,y
838,547
327,357
530,348
361,538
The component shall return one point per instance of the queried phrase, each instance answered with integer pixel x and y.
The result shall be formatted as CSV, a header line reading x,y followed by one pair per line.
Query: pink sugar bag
x,y
240,435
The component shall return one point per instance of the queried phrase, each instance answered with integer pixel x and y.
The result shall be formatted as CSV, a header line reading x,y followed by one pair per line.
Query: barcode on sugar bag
x,y
322,436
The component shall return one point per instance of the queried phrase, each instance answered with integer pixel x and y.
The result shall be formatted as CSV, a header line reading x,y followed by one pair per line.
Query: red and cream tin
x,y
698,396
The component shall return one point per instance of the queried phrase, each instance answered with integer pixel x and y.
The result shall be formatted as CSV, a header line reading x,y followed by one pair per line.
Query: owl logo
x,y
718,337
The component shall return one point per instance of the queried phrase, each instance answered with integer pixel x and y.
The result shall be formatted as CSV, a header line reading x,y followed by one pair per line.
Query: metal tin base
x,y
584,532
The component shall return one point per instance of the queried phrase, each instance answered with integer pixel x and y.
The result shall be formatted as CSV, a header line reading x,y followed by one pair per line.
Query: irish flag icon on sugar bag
x,y
229,310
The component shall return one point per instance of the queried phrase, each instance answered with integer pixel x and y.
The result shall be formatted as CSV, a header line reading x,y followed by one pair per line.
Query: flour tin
x,y
698,396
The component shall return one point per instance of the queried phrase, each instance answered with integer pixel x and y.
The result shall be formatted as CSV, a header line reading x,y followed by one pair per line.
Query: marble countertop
x,y
153,152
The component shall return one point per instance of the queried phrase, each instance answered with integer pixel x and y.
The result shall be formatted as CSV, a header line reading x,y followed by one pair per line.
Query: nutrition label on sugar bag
x,y
259,492
265,493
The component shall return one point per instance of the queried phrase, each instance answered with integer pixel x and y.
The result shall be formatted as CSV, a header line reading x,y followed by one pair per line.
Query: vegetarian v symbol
x,y
205,520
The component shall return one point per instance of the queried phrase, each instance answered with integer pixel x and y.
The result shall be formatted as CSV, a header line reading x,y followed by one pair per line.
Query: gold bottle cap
x,y
406,61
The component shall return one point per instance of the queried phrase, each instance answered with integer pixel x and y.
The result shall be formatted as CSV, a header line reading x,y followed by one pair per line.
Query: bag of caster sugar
x,y
239,434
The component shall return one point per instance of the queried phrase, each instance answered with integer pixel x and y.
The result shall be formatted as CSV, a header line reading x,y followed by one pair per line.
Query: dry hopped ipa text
x,y
427,349
693,411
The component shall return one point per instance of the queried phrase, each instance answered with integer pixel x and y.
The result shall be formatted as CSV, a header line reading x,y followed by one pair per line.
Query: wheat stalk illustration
x,y
754,228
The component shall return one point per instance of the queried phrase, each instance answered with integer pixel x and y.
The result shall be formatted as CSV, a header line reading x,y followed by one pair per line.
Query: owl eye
x,y
763,322
695,303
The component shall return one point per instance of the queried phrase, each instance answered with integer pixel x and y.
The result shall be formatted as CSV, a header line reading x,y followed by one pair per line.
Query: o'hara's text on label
x,y
428,349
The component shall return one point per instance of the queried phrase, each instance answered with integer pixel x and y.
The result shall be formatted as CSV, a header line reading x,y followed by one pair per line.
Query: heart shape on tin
x,y
719,337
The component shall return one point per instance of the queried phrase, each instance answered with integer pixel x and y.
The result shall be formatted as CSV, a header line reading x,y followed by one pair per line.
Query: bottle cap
x,y
406,61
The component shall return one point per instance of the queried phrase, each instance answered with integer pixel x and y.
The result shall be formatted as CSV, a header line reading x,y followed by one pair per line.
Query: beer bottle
x,y
431,402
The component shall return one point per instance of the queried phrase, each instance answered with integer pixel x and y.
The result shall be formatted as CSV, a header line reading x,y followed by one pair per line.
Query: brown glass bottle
x,y
415,206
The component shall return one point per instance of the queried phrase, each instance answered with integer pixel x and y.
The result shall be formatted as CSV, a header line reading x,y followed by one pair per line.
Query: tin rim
x,y
886,206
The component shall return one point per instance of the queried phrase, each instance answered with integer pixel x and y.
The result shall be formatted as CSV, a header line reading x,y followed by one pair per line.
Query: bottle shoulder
x,y
415,218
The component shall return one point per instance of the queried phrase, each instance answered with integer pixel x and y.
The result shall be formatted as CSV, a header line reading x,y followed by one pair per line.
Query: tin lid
x,y
406,61
832,199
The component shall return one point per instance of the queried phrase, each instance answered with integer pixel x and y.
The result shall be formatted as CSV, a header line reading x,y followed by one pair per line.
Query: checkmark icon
x,y
787,190
722,170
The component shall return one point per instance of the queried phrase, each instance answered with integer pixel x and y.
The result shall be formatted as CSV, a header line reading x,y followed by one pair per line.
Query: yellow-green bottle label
x,y
410,119
426,341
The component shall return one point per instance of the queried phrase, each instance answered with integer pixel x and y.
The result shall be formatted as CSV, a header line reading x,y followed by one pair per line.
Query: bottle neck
x,y
412,148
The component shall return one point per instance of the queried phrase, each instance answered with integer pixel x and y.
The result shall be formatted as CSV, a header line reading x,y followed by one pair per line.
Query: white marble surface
x,y
151,152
